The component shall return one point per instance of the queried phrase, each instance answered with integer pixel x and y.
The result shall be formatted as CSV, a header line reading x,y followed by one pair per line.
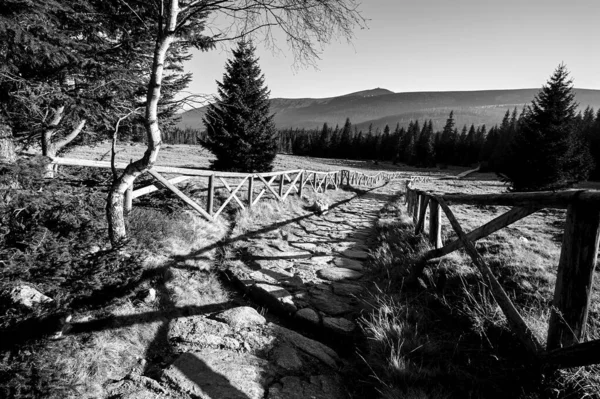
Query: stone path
x,y
312,269
309,270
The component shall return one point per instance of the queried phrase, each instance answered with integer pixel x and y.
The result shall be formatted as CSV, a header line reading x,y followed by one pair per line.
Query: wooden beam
x,y
231,196
292,185
210,199
515,321
579,355
422,211
301,184
435,224
268,185
181,195
542,199
250,190
575,276
153,187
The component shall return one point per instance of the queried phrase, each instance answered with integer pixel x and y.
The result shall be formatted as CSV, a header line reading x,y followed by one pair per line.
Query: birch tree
x,y
306,25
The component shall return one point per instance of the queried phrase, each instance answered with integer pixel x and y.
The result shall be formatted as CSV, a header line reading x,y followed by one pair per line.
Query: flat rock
x,y
309,346
347,289
199,332
307,314
240,317
316,387
275,296
348,264
211,374
355,254
285,356
338,274
330,303
339,325
136,387
27,296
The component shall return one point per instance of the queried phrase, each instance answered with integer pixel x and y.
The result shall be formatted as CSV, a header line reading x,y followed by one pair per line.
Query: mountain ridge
x,y
378,107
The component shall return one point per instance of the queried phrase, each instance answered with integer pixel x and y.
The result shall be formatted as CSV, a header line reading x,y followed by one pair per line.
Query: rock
x,y
319,206
316,349
94,249
240,317
318,387
198,332
149,296
339,325
347,289
307,314
338,274
355,254
305,245
136,387
28,297
211,374
274,296
285,356
330,303
348,264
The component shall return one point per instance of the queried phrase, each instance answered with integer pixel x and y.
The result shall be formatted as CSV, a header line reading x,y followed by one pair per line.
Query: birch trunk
x,y
7,146
114,206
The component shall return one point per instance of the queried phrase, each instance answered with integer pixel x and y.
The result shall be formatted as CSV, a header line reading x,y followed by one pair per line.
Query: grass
x,y
449,339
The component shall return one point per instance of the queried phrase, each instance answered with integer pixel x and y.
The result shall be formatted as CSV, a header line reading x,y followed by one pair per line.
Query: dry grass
x,y
451,339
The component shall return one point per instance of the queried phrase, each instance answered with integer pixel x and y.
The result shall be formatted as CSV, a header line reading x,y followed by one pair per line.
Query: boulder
x,y
28,297
240,317
311,347
275,296
338,274
210,374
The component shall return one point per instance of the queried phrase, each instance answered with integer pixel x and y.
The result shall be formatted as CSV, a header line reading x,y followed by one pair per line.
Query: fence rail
x,y
579,252
279,185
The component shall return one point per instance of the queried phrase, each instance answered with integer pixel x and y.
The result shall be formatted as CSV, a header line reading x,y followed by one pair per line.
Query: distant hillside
x,y
380,107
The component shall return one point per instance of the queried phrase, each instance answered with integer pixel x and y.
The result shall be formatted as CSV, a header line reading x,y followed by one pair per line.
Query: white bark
x,y
114,206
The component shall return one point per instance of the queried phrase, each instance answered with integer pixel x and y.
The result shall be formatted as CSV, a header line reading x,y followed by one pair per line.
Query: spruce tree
x,y
240,128
547,152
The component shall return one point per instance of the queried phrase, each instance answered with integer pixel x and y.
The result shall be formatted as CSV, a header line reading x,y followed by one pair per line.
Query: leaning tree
x,y
306,24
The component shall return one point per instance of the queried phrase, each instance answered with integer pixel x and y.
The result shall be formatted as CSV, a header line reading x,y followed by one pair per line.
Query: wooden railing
x,y
243,189
568,320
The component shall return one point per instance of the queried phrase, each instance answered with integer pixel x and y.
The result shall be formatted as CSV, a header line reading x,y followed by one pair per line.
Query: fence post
x,y
575,275
250,190
421,215
281,181
211,194
315,182
435,224
326,182
415,215
301,186
128,199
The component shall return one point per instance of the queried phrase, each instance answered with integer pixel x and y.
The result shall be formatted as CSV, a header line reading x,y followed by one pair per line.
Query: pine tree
x,y
448,141
547,152
240,127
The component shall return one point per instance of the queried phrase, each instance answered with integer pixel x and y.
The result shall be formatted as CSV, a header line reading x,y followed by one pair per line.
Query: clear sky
x,y
438,45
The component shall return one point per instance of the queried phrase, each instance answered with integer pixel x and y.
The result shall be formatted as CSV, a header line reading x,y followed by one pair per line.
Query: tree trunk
x,y
7,146
114,206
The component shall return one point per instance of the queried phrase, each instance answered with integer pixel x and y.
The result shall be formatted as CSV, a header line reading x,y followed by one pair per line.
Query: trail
x,y
307,274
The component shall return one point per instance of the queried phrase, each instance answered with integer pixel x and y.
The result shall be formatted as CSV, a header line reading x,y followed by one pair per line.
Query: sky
x,y
436,45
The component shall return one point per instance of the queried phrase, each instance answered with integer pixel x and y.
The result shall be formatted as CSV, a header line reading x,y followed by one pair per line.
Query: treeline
x,y
419,145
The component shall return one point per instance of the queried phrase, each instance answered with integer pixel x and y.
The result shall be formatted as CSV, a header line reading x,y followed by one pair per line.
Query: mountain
x,y
378,107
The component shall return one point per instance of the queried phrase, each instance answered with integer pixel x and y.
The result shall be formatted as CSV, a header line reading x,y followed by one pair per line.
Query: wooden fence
x,y
243,189
579,251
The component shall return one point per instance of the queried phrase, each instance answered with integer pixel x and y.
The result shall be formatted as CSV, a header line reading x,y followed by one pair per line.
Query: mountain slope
x,y
380,107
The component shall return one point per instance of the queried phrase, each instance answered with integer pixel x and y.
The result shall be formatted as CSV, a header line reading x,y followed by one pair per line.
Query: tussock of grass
x,y
448,338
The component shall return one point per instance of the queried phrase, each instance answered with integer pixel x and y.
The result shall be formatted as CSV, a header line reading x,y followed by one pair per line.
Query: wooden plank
x,y
417,201
579,355
152,187
250,190
500,222
292,185
230,197
181,195
211,195
435,224
234,196
281,182
301,184
422,211
515,321
543,199
268,185
575,276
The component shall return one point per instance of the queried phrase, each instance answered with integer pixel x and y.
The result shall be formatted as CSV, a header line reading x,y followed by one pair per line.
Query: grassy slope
x,y
451,339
